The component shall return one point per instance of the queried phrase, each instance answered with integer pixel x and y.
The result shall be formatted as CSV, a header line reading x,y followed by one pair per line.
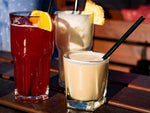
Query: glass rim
x,y
21,14
70,12
65,56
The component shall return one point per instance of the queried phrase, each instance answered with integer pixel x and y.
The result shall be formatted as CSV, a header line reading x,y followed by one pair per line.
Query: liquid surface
x,y
86,56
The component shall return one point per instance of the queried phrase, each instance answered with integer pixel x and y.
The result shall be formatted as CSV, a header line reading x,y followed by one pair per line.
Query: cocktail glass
x,y
31,48
74,31
86,76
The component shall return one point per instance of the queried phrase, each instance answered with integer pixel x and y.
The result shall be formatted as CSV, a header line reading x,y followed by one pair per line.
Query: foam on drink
x,y
87,56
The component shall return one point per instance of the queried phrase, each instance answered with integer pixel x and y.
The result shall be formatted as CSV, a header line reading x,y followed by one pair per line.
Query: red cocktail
x,y
32,49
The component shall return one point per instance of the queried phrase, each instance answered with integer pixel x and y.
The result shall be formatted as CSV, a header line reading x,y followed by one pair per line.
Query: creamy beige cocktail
x,y
85,79
74,31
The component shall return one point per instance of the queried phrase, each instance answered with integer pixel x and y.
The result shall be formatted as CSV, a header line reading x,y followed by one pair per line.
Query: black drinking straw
x,y
50,6
117,44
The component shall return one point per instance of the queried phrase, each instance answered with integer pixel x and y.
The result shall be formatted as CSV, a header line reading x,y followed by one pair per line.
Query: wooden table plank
x,y
5,109
121,78
141,83
112,90
132,99
126,53
103,109
6,70
6,56
114,29
6,86
55,102
111,109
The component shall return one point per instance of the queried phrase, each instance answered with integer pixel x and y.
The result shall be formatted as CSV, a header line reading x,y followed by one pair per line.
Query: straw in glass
x,y
50,6
75,6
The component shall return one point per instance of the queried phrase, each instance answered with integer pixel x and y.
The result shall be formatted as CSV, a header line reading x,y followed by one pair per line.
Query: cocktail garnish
x,y
96,10
44,21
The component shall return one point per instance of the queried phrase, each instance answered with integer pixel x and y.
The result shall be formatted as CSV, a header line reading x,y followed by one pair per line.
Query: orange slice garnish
x,y
44,21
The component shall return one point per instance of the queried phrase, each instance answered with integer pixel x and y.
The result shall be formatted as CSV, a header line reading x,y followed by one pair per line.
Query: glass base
x,y
85,105
31,99
61,83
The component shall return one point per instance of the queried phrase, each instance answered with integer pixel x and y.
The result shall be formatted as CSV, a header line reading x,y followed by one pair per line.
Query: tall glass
x,y
31,48
86,76
74,31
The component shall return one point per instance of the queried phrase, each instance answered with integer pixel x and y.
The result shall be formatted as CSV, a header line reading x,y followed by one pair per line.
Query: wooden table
x,y
127,92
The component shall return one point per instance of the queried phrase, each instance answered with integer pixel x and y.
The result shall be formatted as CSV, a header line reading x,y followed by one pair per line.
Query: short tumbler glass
x,y
86,76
